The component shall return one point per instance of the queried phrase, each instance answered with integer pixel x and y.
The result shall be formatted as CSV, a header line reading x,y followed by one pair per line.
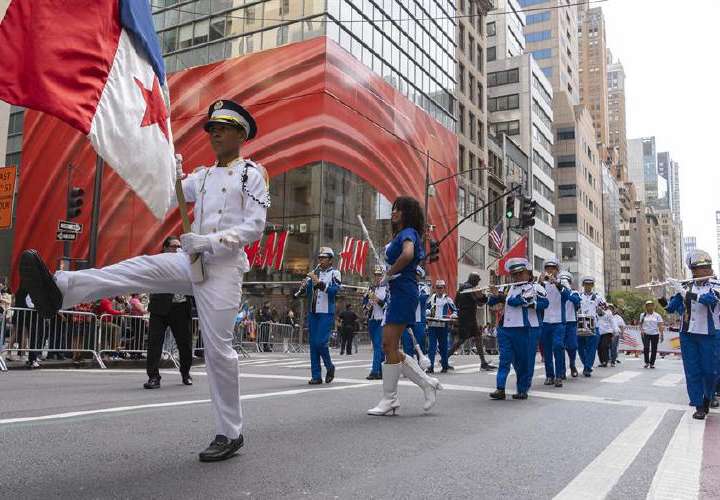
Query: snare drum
x,y
585,325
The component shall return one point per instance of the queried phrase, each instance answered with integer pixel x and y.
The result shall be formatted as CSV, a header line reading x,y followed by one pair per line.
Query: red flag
x,y
519,249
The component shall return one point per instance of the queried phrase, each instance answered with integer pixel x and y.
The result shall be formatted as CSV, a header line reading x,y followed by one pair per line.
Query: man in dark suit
x,y
174,311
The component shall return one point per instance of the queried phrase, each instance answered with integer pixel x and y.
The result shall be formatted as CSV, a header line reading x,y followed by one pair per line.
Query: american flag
x,y
496,235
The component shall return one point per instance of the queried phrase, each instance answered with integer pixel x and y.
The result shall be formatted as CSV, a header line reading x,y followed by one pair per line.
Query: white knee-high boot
x,y
389,402
429,385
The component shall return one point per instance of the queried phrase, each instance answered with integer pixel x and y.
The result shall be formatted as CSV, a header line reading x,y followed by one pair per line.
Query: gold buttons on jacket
x,y
220,211
230,172
223,190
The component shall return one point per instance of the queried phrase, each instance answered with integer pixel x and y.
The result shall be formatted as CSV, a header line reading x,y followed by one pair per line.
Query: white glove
x,y
195,243
179,174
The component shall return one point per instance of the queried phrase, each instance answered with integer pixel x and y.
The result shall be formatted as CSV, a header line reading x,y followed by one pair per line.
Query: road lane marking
x,y
669,380
562,396
621,377
602,474
118,409
678,474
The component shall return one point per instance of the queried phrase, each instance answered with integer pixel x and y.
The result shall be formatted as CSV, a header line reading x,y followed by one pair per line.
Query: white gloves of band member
x,y
179,174
195,243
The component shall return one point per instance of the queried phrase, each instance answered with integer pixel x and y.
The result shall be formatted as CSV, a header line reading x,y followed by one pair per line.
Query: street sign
x,y
71,227
62,236
7,191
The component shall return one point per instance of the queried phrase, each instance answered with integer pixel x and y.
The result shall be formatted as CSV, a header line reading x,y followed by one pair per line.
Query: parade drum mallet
x,y
424,360
197,268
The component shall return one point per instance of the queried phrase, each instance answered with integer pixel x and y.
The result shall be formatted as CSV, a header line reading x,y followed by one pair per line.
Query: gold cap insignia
x,y
218,105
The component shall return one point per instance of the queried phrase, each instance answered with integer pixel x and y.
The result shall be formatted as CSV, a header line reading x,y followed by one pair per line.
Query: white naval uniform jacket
x,y
230,207
378,311
703,319
518,316
589,304
553,312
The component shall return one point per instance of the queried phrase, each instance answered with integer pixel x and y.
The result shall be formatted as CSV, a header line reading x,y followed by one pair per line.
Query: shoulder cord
x,y
265,203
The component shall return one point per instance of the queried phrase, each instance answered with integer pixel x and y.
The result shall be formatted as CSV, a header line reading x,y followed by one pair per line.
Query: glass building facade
x,y
410,43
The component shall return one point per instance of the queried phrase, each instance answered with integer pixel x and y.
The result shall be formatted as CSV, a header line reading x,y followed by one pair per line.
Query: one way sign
x,y
72,227
62,236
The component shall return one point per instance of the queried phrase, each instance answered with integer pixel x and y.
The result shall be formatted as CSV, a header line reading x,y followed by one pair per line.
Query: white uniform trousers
x,y
217,299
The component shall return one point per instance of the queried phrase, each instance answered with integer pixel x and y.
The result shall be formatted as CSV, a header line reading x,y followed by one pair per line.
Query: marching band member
x,y
418,328
571,304
697,305
606,327
590,303
522,306
374,303
553,326
403,255
467,304
231,201
441,307
320,290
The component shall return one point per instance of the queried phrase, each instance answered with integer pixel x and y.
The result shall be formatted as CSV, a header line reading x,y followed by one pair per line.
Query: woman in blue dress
x,y
403,255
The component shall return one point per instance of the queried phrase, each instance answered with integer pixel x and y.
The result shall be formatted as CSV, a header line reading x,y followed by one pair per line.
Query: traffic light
x,y
510,207
434,253
74,202
527,212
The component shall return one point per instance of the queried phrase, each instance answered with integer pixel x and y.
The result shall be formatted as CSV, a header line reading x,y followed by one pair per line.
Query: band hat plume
x,y
699,258
227,112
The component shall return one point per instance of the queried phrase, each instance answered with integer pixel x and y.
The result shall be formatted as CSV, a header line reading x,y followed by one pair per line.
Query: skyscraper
x,y
665,171
617,128
553,41
643,170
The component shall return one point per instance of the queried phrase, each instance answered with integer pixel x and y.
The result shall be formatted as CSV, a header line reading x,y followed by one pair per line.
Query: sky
x,y
668,49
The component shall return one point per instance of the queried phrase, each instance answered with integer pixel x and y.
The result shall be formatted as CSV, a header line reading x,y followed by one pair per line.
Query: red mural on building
x,y
313,102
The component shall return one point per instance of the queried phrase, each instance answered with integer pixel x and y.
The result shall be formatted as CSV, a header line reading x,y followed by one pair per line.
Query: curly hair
x,y
412,214
166,241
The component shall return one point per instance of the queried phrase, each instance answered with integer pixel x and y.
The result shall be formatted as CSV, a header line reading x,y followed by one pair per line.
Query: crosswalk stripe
x,y
602,474
361,365
621,377
678,475
669,380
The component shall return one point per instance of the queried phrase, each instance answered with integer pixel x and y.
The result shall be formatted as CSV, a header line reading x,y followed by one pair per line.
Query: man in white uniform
x,y
231,200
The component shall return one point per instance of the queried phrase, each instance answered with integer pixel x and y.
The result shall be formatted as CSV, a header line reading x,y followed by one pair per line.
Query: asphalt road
x,y
625,433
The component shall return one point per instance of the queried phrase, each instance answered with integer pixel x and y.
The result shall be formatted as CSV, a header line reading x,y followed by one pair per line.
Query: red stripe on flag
x,y
519,249
56,58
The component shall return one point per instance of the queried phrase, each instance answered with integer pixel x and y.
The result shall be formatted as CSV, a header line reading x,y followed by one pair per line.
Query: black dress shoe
x,y
498,394
152,383
714,403
330,375
700,414
587,373
430,370
573,371
221,448
549,381
187,380
444,370
450,367
314,381
706,405
40,284
374,376
558,382
488,367
520,395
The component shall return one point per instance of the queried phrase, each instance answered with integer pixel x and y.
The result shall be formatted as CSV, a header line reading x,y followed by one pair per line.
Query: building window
x,y
491,29
547,71
461,158
481,134
566,161
491,53
471,87
461,38
471,164
461,118
480,96
507,128
567,190
461,203
471,49
568,250
544,240
567,218
540,187
542,163
473,131
565,134
461,78
538,36
503,77
472,208
473,253
480,60
542,54
538,18
503,103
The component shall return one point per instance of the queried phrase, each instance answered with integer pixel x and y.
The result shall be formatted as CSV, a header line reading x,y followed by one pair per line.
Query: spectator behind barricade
x,y
264,316
82,330
5,310
138,326
28,327
109,329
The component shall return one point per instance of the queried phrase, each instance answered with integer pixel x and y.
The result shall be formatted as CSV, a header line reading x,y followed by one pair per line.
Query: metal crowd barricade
x,y
68,331
275,337
125,334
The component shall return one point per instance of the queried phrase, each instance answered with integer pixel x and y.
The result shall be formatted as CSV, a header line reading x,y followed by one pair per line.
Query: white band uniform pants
x,y
217,299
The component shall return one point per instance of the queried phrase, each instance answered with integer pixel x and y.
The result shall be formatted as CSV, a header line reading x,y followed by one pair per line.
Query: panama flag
x,y
96,65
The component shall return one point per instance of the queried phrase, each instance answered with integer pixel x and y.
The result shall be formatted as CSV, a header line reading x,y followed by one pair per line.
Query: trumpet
x,y
304,282
498,286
